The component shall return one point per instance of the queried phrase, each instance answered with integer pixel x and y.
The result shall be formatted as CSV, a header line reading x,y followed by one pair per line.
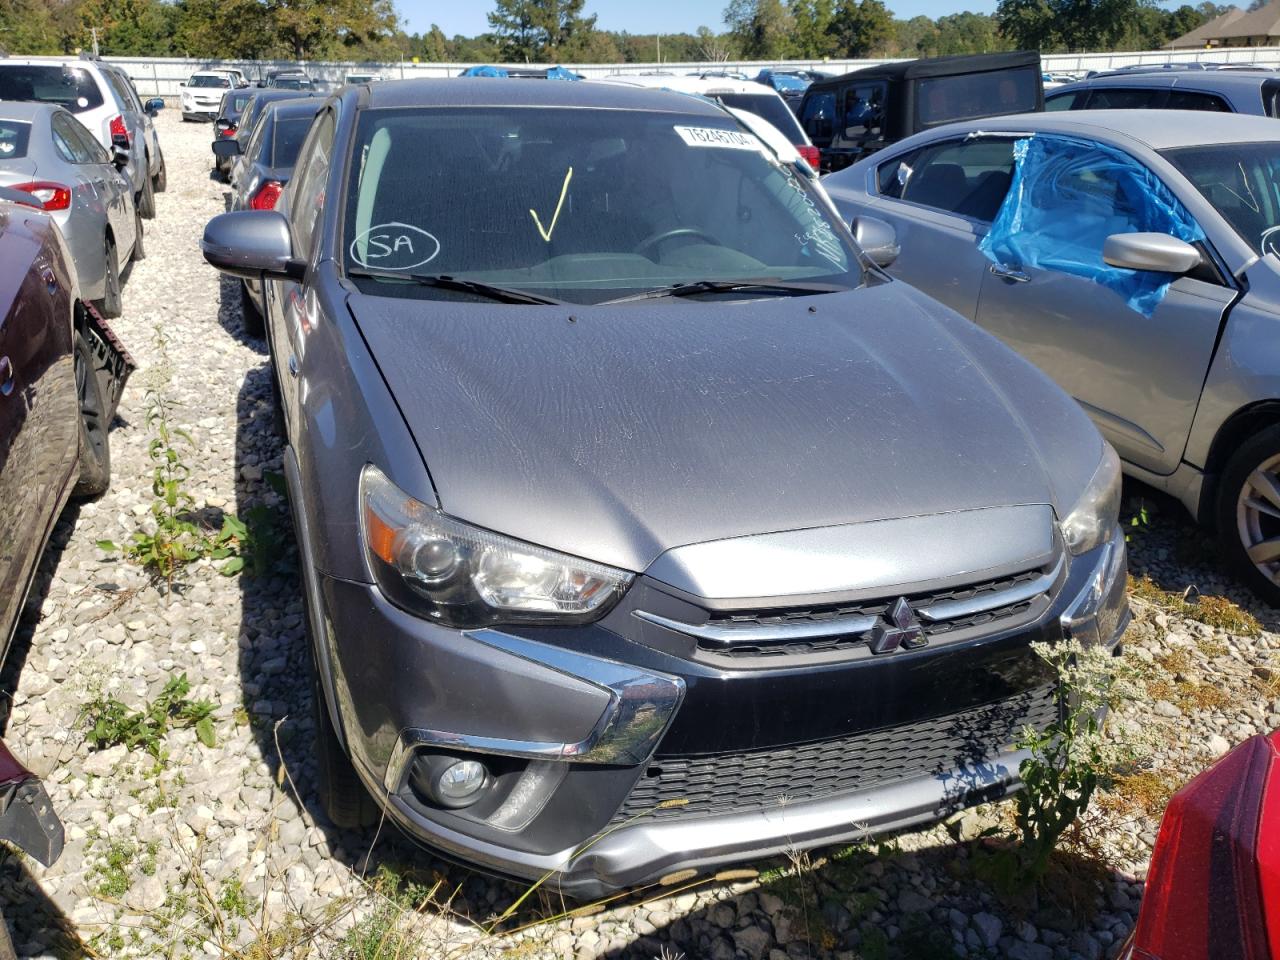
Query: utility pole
x,y
94,31
659,48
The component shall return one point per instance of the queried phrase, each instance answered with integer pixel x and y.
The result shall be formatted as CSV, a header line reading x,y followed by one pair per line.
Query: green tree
x,y
541,29
129,27
914,37
1073,24
861,27
812,20
234,29
435,45
760,28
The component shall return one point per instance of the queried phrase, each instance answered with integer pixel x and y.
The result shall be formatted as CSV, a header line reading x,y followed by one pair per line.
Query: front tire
x,y
342,795
146,203
95,445
160,182
1248,514
139,251
250,316
111,305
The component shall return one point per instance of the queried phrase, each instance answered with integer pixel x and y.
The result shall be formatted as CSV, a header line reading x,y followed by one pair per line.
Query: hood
x,y
615,433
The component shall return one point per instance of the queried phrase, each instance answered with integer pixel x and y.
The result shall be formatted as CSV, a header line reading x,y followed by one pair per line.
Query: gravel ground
x,y
222,851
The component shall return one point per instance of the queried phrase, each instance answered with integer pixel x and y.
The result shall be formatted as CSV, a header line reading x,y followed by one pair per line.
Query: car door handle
x,y
7,376
1009,273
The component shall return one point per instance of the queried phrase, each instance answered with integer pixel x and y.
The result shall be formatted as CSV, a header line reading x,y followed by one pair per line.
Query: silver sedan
x,y
48,153
1130,254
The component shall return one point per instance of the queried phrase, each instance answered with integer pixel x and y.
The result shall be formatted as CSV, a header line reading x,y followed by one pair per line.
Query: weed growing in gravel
x,y
112,723
175,538
176,534
1068,759
1216,612
112,872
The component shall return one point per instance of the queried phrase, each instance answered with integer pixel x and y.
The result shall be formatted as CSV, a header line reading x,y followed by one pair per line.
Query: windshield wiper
x,y
446,282
730,286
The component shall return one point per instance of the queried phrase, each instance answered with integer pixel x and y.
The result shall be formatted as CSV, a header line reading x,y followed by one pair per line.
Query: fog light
x,y
451,782
461,781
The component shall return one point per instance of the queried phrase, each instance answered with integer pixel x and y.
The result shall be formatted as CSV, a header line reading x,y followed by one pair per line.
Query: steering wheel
x,y
663,236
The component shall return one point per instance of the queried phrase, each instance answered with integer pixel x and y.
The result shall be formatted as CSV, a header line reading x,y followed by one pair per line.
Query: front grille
x,y
846,629
693,786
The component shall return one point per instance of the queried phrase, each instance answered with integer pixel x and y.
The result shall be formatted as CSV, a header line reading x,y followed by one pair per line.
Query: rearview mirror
x,y
227,148
154,105
119,156
1150,251
250,243
878,240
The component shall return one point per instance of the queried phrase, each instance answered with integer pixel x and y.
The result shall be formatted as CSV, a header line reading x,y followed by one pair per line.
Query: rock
x,y
989,928
1217,745
1163,708
1022,950
752,941
909,901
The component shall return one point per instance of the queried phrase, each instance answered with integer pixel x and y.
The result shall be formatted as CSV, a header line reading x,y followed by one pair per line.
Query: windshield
x,y
770,106
787,83
582,207
290,132
1242,182
69,87
291,83
207,80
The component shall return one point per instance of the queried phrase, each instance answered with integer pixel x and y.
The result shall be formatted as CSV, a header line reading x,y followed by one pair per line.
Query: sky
x,y
637,16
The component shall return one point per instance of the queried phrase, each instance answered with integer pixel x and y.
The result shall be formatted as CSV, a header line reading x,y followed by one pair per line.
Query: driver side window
x,y
966,177
306,201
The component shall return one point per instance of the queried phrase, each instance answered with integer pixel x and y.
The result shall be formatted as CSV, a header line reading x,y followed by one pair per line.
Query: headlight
x,y
1097,512
460,575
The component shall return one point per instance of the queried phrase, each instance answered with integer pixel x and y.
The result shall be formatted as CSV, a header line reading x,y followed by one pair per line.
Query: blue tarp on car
x,y
551,73
1066,197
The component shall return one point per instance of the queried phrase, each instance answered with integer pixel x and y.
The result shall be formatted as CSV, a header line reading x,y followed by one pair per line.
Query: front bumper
x,y
568,719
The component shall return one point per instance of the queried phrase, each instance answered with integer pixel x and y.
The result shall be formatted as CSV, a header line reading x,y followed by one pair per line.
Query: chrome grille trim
x,y
950,609
722,634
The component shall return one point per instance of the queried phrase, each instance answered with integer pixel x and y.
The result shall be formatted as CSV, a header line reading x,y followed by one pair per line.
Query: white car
x,y
201,95
736,94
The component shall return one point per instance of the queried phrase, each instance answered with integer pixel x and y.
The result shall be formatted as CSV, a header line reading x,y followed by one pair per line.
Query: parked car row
x,y
79,163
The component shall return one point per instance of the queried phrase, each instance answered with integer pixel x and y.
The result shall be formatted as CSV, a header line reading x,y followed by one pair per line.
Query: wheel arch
x,y
1235,430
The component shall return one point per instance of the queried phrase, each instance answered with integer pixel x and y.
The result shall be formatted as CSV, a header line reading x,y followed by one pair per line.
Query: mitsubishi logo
x,y
897,628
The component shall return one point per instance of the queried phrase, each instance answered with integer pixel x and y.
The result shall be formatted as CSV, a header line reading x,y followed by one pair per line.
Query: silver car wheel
x,y
1258,517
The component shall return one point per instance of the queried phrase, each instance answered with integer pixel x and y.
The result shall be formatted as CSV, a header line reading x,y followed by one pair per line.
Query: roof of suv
x,y
1231,81
481,92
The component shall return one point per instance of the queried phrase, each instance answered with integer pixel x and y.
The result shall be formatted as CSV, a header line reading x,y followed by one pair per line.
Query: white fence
x,y
161,76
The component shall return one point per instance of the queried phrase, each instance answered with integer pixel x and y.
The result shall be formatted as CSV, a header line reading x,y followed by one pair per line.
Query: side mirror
x,y
878,240
119,156
1158,252
251,243
154,105
226,148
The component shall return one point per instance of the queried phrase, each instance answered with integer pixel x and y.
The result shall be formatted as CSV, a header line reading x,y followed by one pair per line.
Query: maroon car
x,y
61,375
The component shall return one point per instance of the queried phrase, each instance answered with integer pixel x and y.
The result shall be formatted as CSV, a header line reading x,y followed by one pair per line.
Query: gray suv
x,y
636,503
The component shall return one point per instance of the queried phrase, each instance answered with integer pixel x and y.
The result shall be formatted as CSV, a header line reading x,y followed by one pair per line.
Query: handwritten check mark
x,y
537,222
